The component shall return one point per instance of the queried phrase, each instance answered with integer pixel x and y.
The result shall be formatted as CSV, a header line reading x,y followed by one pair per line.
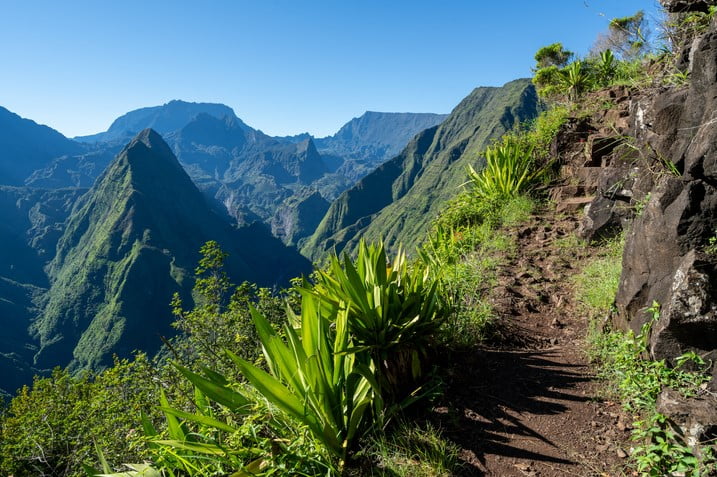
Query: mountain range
x,y
397,201
240,169
99,232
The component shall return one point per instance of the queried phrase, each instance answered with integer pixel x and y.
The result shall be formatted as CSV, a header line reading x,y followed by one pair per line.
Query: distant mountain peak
x,y
152,140
164,119
128,247
153,164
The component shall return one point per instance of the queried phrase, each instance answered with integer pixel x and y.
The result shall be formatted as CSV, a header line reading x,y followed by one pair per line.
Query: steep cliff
x,y
129,244
398,201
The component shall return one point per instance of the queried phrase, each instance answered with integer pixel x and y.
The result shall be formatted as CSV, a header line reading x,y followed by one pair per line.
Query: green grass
x,y
597,284
633,380
415,451
465,248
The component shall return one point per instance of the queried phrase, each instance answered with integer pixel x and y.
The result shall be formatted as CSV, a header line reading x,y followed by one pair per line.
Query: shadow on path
x,y
488,394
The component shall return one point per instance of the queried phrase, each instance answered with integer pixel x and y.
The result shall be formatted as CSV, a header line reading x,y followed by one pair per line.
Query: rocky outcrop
x,y
603,170
648,162
683,6
666,258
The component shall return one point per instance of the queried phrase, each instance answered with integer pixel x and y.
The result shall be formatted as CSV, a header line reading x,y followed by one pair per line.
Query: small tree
x,y
628,37
549,60
552,55
220,318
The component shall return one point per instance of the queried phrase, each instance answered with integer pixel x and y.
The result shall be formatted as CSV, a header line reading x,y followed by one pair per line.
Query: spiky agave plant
x,y
312,375
606,67
392,309
509,171
576,79
313,382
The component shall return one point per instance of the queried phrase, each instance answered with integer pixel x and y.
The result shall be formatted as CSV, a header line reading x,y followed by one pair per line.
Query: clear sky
x,y
284,66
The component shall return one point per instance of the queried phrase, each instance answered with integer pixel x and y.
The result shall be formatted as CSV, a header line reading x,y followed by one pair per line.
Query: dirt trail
x,y
530,406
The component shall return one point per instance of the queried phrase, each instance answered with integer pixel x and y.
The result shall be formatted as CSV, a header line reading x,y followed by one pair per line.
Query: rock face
x,y
683,6
602,167
667,258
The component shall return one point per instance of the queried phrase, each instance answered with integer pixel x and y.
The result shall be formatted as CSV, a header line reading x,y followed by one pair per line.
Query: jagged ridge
x,y
398,201
130,244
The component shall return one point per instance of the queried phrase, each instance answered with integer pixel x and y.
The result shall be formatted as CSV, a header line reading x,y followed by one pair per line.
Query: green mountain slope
x,y
368,141
298,216
398,201
249,174
31,221
26,146
130,243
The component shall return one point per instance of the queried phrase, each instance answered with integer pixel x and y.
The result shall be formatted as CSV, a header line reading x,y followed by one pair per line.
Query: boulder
x,y
696,417
688,317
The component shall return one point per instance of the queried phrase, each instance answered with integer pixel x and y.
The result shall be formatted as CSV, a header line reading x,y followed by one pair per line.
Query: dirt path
x,y
530,406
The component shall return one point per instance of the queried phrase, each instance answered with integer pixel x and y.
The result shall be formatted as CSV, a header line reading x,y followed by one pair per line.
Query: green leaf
x,y
274,391
217,392
147,426
198,447
199,419
173,426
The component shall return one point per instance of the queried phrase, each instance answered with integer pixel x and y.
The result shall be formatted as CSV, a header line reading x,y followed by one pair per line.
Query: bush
x,y
220,318
352,353
52,427
510,170
552,55
393,312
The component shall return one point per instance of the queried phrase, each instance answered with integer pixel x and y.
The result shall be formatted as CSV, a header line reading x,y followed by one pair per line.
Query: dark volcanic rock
x,y
664,258
696,417
683,6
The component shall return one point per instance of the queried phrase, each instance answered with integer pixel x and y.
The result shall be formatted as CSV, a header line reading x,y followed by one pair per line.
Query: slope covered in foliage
x,y
31,222
128,246
373,138
399,199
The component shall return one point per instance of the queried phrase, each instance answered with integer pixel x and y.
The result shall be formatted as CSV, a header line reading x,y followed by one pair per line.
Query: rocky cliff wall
x,y
658,181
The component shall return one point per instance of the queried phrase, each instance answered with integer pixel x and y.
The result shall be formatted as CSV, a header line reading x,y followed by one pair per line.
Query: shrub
x,y
361,328
509,171
220,318
576,79
393,312
552,55
606,68
52,427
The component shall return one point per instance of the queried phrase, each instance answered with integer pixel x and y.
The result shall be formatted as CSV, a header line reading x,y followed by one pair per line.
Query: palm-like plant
x,y
606,67
313,377
509,171
576,79
392,312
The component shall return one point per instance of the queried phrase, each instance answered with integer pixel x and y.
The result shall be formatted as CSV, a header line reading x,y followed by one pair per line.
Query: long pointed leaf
x,y
199,419
221,394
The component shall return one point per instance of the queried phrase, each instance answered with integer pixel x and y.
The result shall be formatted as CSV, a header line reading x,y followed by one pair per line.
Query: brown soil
x,y
531,405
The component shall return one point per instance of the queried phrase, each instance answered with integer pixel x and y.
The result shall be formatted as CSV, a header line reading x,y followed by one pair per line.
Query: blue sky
x,y
284,66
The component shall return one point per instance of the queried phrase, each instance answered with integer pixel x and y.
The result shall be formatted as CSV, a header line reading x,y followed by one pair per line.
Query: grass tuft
x,y
416,451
